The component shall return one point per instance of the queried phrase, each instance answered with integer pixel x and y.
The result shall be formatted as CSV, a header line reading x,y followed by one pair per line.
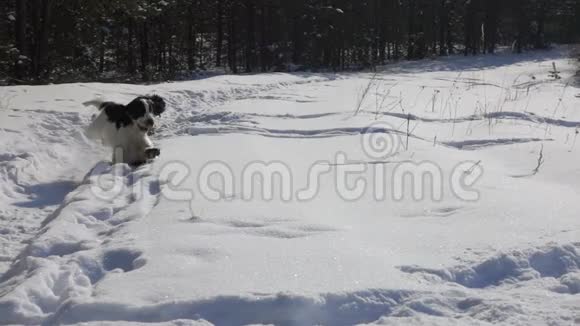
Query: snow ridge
x,y
39,165
561,263
58,266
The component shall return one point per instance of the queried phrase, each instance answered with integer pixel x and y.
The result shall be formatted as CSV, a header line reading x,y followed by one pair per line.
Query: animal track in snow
x,y
123,259
435,212
266,227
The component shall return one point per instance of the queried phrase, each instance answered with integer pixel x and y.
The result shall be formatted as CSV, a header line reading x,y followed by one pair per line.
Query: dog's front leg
x,y
151,151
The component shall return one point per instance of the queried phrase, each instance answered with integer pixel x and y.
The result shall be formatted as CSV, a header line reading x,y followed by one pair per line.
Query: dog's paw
x,y
152,153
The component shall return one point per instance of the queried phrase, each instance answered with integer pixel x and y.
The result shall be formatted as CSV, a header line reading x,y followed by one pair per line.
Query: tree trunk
x,y
220,34
130,50
160,48
297,40
144,45
20,29
102,51
191,40
539,41
443,25
250,37
40,59
232,46
264,39
411,35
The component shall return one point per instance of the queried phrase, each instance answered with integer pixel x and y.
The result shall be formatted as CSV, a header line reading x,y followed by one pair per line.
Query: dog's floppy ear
x,y
136,109
158,104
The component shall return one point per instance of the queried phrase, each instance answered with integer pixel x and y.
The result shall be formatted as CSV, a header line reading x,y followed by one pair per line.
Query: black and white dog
x,y
126,128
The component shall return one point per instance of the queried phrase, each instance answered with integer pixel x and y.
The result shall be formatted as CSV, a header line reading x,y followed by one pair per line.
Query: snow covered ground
x,y
409,196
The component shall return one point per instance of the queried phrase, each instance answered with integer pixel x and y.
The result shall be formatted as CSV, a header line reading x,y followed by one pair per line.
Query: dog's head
x,y
143,109
158,104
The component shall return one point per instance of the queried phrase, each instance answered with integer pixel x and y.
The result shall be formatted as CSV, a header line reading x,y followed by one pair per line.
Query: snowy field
x,y
438,192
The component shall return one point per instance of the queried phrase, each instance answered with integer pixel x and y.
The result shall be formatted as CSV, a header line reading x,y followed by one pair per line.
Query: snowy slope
x,y
488,240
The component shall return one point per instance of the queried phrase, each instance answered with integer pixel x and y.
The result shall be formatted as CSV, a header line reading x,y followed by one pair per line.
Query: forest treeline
x,y
140,40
